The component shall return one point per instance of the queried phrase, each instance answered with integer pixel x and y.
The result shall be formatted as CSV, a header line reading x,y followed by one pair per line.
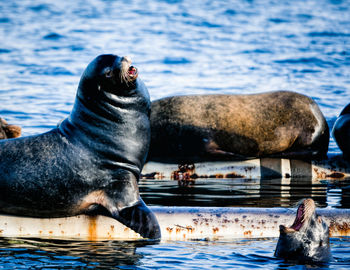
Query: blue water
x,y
179,47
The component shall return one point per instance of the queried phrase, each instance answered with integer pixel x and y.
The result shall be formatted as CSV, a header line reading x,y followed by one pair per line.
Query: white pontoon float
x,y
329,169
177,223
204,223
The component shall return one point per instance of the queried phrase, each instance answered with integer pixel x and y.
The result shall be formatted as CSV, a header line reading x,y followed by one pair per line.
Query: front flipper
x,y
214,150
137,217
140,219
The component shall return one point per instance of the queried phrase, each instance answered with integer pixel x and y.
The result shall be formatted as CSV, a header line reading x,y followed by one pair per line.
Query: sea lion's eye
x,y
108,72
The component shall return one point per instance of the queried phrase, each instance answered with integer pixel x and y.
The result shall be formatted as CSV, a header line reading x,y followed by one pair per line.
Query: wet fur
x,y
341,131
92,161
309,244
9,131
205,127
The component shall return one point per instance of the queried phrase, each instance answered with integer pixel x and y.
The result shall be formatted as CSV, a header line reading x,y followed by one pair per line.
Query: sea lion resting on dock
x,y
92,161
216,127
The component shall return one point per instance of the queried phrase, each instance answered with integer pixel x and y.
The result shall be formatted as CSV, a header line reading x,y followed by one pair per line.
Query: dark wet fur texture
x,y
92,161
341,131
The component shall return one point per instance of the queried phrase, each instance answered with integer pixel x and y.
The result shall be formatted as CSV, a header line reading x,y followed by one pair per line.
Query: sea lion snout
x,y
128,72
285,230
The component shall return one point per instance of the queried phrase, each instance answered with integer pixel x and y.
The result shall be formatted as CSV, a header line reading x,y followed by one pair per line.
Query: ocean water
x,y
179,47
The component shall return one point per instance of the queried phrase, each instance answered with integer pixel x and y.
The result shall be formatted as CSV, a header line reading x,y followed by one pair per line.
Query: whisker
x,y
124,75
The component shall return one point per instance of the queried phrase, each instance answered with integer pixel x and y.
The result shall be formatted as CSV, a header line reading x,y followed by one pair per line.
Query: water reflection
x,y
241,192
40,253
345,195
18,253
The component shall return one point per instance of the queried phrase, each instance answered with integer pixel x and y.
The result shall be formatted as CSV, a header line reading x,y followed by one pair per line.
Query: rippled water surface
x,y
179,47
238,254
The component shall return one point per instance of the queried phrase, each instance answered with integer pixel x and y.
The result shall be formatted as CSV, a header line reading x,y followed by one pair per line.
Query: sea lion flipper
x,y
136,216
140,219
214,149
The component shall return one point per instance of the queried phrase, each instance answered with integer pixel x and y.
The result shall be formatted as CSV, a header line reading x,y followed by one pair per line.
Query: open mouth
x,y
299,219
132,72
128,72
304,213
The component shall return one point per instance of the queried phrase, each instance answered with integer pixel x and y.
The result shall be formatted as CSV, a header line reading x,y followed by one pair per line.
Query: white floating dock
x,y
190,223
177,223
335,168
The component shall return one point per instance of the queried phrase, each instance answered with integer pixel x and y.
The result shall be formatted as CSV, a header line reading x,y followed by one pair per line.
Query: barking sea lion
x,y
307,239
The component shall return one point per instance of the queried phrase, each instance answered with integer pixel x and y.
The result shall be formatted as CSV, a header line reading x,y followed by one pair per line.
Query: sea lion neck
x,y
114,124
108,104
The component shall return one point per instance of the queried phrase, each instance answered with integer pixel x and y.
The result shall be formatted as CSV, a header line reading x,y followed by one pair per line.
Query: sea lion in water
x,y
341,131
92,161
307,239
8,131
208,127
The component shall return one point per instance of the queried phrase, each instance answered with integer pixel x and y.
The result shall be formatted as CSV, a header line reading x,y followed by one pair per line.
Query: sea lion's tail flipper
x,y
140,219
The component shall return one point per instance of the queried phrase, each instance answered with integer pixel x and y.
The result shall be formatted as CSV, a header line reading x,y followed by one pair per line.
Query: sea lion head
x,y
112,108
308,237
110,73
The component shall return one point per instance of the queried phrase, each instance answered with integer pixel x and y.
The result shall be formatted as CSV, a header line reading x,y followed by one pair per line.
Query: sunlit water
x,y
179,47
237,254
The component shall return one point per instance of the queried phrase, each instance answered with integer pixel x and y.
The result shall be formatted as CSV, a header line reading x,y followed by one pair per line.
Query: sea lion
x,y
8,131
92,161
307,239
208,127
341,131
